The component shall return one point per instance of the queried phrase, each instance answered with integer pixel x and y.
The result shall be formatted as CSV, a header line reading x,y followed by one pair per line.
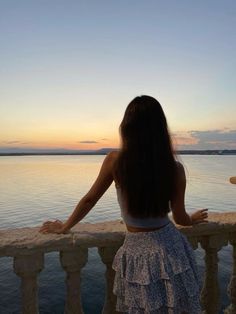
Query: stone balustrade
x,y
27,246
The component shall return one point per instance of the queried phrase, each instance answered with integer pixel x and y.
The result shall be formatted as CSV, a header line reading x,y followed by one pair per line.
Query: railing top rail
x,y
23,241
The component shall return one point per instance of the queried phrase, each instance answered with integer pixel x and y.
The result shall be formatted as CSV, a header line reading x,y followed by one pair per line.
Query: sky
x,y
68,69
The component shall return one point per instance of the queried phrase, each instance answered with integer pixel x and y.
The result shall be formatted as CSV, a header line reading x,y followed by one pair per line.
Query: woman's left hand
x,y
52,227
199,216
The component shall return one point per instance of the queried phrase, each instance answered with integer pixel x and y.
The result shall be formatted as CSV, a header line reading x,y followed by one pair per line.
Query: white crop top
x,y
152,222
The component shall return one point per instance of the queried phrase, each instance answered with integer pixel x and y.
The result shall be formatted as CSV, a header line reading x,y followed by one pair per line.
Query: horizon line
x,y
104,151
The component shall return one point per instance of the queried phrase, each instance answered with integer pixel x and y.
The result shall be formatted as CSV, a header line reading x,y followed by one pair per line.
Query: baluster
x,y
194,242
210,294
231,309
27,267
107,255
72,262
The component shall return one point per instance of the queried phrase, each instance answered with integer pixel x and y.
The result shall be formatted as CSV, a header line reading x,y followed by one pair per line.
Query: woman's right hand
x,y
199,216
52,227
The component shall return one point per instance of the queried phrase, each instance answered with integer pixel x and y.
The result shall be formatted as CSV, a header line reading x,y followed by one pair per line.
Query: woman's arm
x,y
178,205
99,187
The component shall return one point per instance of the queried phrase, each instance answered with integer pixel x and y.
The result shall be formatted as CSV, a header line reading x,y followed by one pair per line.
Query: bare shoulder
x,y
180,166
112,156
110,159
180,170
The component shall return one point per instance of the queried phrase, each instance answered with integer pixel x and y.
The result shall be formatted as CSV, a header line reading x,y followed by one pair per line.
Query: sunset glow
x,y
69,69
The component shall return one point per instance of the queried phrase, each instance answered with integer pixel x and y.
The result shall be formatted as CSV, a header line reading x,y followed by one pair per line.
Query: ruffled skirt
x,y
156,273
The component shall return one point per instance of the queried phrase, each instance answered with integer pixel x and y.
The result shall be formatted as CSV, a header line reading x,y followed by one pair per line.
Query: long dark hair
x,y
146,169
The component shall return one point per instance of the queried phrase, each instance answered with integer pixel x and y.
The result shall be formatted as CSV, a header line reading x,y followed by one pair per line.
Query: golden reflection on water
x,y
35,188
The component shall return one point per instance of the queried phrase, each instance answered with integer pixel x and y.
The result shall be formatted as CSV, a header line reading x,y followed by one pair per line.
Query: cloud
x,y
218,138
208,139
11,142
15,142
184,139
88,142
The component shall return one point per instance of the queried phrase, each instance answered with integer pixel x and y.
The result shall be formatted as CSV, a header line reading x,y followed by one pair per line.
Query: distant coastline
x,y
104,151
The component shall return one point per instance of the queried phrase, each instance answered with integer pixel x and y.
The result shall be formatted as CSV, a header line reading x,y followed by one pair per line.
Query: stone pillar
x,y
231,309
194,242
210,295
72,261
27,267
107,255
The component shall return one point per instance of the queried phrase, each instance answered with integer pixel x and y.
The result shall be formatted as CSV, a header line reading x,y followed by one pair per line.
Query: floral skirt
x,y
156,273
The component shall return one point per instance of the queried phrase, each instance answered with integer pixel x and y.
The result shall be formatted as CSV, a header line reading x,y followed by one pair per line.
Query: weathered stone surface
x,y
107,233
23,243
217,223
27,240
107,255
72,262
28,267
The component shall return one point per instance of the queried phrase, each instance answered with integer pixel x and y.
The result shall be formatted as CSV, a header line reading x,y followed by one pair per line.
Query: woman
x,y
155,267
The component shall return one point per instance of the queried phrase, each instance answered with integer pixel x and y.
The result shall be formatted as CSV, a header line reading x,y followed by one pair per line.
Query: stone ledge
x,y
23,241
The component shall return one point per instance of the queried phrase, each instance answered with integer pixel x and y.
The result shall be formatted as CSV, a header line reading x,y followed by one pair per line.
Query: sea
x,y
34,189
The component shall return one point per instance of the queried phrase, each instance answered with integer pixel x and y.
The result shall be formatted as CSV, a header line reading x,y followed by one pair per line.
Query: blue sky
x,y
68,69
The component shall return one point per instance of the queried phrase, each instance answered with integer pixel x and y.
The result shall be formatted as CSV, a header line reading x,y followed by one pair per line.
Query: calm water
x,y
37,188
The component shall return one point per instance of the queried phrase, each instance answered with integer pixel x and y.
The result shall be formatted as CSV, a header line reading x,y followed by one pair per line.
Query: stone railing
x,y
27,246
